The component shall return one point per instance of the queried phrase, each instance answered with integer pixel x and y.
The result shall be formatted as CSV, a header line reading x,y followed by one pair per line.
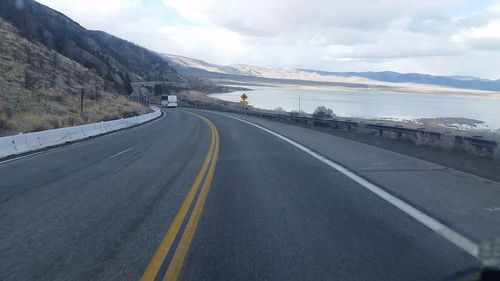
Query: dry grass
x,y
112,107
40,89
33,122
53,116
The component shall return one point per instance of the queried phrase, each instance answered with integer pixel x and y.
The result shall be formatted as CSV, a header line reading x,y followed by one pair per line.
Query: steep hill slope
x,y
40,88
114,59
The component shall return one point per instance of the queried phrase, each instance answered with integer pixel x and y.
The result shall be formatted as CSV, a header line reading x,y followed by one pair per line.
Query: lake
x,y
374,104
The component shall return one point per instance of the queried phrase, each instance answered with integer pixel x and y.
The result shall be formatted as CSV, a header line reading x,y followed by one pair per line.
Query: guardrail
x,y
22,143
477,142
144,100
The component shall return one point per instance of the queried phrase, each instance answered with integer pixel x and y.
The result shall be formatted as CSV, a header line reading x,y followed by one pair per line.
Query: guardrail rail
x,y
476,142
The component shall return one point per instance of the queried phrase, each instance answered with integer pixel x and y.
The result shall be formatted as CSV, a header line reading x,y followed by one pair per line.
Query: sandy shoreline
x,y
396,88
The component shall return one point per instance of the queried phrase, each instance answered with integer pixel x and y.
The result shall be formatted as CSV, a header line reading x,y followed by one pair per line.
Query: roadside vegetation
x,y
323,112
40,89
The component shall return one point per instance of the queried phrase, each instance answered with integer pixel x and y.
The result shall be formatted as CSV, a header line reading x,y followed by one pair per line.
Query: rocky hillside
x,y
40,88
115,60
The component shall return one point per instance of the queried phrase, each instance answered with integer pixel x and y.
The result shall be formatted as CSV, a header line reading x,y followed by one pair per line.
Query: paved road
x,y
178,197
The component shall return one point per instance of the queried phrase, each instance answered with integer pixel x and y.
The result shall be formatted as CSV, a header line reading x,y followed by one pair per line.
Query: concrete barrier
x,y
22,143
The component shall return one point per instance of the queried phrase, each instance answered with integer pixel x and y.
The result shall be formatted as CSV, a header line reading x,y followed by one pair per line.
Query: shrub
x,y
323,112
279,110
298,113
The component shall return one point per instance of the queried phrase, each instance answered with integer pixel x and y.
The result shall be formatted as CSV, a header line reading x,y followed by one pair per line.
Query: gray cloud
x,y
354,35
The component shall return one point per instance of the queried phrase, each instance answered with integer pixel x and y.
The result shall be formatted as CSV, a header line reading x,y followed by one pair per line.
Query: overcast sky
x,y
449,37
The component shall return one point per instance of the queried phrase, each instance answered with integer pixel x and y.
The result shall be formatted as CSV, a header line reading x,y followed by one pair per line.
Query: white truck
x,y
169,101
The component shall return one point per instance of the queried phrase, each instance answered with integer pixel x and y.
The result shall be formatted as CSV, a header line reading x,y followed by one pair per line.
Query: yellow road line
x,y
162,251
175,266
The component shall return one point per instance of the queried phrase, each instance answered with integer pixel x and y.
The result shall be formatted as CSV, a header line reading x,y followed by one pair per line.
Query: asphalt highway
x,y
197,195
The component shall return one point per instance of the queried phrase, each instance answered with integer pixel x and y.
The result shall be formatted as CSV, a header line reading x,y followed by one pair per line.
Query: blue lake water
x,y
375,104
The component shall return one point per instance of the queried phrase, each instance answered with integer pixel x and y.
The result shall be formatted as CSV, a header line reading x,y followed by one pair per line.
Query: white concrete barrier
x,y
22,143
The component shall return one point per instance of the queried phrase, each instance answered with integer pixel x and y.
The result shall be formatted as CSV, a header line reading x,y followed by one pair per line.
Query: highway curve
x,y
197,195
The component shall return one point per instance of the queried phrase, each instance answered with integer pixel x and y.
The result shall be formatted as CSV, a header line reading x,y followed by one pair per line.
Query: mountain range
x,y
254,74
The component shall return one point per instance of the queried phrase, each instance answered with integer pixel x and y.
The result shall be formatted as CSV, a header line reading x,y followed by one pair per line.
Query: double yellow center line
x,y
206,172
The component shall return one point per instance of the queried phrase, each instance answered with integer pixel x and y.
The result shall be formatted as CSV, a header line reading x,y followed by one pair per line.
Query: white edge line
x,y
454,237
61,146
119,153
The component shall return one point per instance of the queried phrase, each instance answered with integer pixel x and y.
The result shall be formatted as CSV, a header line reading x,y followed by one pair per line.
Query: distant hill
x,y
248,73
462,82
116,60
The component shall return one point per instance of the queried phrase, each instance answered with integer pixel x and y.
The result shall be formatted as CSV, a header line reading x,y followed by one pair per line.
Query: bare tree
x,y
279,110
